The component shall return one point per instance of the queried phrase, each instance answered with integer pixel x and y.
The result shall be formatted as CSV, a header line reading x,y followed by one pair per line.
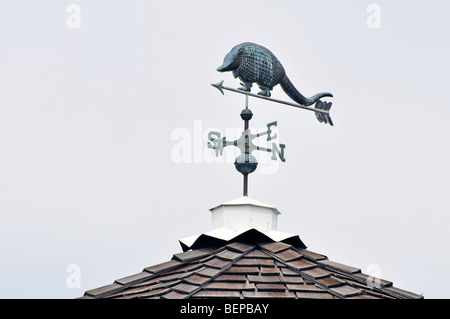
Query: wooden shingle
x,y
240,247
275,247
249,270
185,288
301,264
269,294
169,265
231,278
338,266
139,277
217,294
329,282
238,286
289,255
345,291
315,273
270,287
313,295
255,262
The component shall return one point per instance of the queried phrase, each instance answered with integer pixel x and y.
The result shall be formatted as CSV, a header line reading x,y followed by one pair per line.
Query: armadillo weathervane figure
x,y
253,63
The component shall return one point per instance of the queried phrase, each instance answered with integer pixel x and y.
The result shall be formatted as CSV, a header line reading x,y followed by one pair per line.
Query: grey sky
x,y
87,174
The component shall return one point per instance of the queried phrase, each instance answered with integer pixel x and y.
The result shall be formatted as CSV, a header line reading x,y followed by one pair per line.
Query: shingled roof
x,y
251,270
246,257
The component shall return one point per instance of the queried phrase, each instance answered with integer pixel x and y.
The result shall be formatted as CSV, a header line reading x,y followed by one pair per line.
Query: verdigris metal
x,y
253,63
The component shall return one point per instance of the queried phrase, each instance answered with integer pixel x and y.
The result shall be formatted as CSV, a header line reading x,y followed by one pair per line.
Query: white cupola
x,y
244,213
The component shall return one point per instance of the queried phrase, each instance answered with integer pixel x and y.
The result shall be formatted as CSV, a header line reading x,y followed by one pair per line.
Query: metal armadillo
x,y
253,63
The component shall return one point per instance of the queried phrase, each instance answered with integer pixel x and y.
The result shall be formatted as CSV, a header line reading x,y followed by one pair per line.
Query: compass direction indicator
x,y
246,163
245,142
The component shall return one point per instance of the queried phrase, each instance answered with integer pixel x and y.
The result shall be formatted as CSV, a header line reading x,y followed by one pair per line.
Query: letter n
x,y
276,150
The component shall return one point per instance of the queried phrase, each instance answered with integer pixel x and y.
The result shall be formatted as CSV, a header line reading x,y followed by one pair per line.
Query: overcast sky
x,y
105,107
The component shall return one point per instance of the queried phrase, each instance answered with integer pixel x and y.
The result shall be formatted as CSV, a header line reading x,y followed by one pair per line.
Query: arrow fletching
x,y
323,117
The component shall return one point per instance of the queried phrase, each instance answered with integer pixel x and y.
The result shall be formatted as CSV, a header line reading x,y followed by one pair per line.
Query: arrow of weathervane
x,y
321,109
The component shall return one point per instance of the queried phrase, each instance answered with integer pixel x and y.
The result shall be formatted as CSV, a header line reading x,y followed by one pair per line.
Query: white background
x,y
87,169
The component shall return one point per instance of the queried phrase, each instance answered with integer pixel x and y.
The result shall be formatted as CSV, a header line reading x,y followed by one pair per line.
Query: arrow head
x,y
219,86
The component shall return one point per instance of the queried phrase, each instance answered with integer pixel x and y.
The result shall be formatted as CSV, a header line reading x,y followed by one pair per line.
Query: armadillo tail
x,y
292,92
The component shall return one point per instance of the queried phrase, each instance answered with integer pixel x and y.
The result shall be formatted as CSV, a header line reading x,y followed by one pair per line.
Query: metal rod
x,y
220,87
246,148
245,184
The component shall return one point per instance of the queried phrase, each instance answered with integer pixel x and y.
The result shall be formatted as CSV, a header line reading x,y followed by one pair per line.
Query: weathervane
x,y
252,63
